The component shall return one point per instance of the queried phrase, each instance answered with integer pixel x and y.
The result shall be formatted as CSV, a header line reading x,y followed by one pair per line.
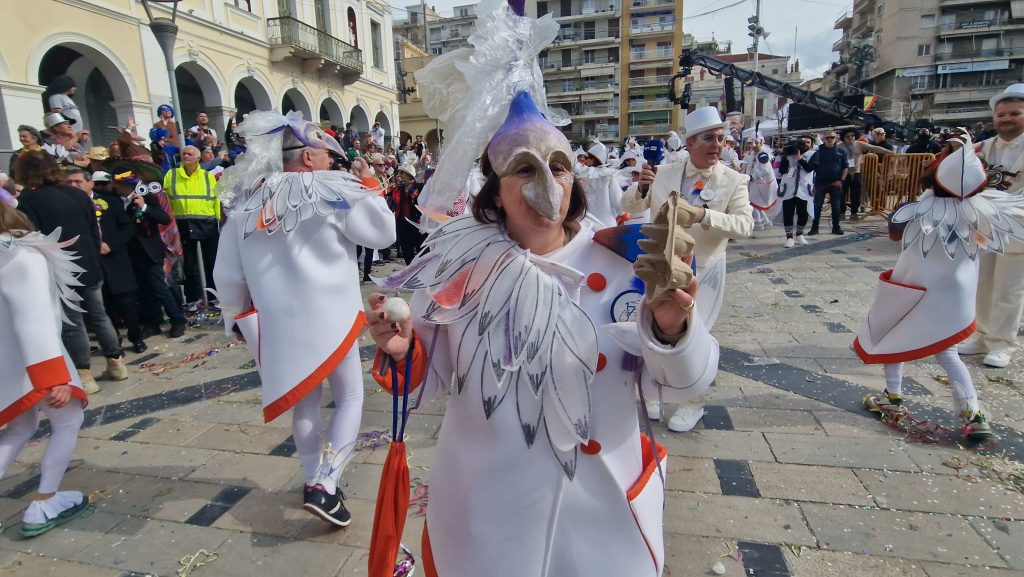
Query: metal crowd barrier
x,y
892,181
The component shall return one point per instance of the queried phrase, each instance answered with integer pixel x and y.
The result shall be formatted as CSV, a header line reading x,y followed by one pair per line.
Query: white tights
x,y
346,382
963,387
64,425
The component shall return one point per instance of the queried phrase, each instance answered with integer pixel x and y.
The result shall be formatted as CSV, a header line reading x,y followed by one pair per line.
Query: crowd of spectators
x,y
146,216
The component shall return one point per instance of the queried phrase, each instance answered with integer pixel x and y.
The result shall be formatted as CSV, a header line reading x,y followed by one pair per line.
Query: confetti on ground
x,y
419,497
192,562
371,440
203,357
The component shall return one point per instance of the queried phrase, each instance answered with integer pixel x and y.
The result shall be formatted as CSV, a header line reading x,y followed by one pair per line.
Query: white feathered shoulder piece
x,y
967,217
282,200
521,334
63,270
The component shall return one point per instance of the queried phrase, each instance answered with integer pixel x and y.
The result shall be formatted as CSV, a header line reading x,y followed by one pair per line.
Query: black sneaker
x,y
813,231
150,331
139,346
837,230
328,507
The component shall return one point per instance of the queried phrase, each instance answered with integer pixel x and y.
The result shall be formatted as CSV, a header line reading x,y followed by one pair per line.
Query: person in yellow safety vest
x,y
193,195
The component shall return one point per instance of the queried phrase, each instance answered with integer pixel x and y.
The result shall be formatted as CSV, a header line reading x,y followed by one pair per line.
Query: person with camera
x,y
830,165
201,134
795,189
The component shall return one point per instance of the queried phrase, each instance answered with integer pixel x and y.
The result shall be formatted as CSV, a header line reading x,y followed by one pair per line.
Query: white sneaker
x,y
653,410
686,418
971,346
790,243
802,239
998,359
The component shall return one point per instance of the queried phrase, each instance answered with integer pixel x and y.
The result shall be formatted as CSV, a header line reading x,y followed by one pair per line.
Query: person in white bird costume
x,y
287,279
924,305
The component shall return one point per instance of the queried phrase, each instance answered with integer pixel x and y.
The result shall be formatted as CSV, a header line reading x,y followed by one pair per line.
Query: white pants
x,y
64,425
346,382
1000,298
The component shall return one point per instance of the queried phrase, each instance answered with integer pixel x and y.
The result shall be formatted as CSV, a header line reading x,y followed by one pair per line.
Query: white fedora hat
x,y
1012,91
702,120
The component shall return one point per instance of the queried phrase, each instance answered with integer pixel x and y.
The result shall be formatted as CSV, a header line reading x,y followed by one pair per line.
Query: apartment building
x,y
610,64
448,34
929,59
413,27
333,61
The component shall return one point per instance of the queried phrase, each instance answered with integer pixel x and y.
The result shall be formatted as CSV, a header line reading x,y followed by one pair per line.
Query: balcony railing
x,y
968,25
581,35
560,64
647,28
635,129
650,3
649,80
607,9
649,104
306,42
843,18
580,87
608,135
650,54
991,53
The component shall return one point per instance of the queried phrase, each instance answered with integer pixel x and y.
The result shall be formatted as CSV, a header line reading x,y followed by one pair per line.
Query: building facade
x,y
934,60
414,26
449,34
333,61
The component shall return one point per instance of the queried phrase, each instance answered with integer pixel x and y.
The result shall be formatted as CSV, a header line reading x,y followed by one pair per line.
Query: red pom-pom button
x,y
591,448
596,282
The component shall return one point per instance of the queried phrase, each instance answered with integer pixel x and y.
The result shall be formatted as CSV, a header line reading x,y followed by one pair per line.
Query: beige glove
x,y
662,268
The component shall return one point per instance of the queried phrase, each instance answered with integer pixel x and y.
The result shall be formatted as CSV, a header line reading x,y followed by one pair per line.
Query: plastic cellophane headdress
x,y
471,90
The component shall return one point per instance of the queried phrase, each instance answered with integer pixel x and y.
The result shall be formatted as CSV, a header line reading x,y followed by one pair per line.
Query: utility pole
x,y
757,32
423,15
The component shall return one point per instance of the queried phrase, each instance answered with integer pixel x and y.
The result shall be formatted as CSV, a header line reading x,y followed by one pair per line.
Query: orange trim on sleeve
x,y
288,400
419,367
915,354
32,398
49,373
372,183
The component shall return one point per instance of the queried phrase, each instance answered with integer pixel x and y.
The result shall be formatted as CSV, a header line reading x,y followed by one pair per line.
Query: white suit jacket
x,y
728,214
985,147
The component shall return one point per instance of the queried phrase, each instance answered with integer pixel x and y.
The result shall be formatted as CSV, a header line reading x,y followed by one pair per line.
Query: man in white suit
x,y
1001,280
720,194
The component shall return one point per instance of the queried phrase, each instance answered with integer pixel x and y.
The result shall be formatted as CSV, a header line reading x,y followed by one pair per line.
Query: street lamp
x,y
166,31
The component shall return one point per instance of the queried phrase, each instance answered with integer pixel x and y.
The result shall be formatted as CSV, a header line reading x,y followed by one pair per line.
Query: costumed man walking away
x,y
925,304
36,373
720,196
287,277
540,468
1001,284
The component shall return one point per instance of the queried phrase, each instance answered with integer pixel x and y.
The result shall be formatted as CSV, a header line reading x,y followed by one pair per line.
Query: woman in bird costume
x,y
536,326
924,305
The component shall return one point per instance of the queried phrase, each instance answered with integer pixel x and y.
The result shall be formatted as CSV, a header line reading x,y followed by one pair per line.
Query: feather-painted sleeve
x,y
676,374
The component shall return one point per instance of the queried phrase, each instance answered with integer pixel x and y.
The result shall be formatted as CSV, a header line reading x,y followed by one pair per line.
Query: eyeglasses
x,y
830,138
378,164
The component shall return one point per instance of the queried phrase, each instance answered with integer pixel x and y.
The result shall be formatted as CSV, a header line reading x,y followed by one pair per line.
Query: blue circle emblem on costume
x,y
626,306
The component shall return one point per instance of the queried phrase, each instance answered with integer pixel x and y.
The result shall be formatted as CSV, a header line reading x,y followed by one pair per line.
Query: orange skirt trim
x,y
765,208
32,398
419,367
428,554
288,400
49,373
915,354
650,466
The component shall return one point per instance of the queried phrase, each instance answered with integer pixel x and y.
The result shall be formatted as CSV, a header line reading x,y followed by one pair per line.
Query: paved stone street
x,y
788,475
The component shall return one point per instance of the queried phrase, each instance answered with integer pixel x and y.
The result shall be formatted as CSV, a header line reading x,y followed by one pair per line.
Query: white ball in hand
x,y
397,310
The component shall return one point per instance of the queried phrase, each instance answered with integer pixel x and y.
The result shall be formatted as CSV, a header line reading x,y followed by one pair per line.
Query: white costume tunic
x,y
601,186
297,269
763,188
35,276
557,482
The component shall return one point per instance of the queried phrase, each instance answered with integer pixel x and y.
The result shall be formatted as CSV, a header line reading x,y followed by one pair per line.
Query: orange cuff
x,y
373,184
49,373
417,374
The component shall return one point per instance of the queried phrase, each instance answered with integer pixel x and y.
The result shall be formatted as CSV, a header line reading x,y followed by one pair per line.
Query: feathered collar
x,y
283,200
62,268
986,220
518,327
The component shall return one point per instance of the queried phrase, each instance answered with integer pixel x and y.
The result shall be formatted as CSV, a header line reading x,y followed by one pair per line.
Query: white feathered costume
x,y
925,304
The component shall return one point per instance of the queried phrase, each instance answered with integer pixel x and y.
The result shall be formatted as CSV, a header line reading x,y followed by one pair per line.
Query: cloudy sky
x,y
805,24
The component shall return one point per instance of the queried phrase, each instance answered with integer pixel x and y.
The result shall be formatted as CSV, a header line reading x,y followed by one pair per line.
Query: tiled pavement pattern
x,y
787,475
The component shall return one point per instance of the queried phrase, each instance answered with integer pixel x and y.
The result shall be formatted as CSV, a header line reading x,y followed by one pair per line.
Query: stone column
x,y
19,104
